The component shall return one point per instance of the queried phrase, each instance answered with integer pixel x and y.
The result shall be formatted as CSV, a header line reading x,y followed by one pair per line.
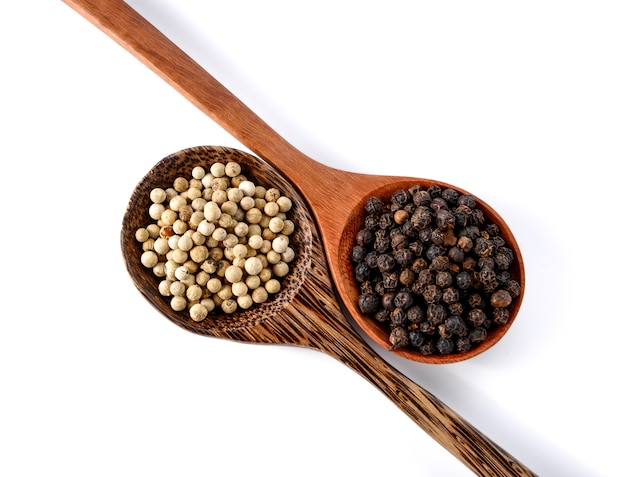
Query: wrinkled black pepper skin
x,y
432,269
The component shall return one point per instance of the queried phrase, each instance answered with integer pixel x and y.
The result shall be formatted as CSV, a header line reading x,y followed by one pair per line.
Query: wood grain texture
x,y
307,313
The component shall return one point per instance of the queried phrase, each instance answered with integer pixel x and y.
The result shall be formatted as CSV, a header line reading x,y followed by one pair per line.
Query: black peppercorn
x,y
500,316
369,304
416,338
456,325
432,294
387,301
403,300
463,344
385,262
456,308
464,280
415,314
501,299
399,337
364,237
385,220
358,253
436,313
422,217
467,200
478,334
407,277
371,222
428,347
443,279
445,345
450,195
401,196
361,272
382,316
397,317
374,205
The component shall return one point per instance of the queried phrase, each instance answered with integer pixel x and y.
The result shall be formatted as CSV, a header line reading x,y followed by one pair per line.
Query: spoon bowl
x,y
163,175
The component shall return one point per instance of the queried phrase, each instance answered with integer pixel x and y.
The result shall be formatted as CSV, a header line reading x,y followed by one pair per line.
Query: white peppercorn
x,y
158,195
198,312
181,272
179,256
193,293
288,255
232,169
239,288
246,203
168,217
253,266
219,234
225,293
214,285
156,210
233,274
198,172
255,242
253,281
271,208
149,259
218,169
229,306
280,243
259,295
199,253
254,216
276,224
244,301
178,303
280,269
142,234
177,288
208,303
164,288
272,286
284,203
181,184
248,188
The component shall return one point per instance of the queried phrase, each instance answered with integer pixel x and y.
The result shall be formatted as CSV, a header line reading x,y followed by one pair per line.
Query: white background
x,y
522,103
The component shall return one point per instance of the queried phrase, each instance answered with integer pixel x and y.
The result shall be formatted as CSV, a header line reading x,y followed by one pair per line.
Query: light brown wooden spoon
x,y
306,313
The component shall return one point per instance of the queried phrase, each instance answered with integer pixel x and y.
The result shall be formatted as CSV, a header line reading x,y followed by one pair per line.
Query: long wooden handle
x,y
454,433
138,36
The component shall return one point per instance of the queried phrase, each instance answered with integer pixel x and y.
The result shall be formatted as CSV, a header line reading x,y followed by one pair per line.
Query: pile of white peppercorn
x,y
218,241
433,269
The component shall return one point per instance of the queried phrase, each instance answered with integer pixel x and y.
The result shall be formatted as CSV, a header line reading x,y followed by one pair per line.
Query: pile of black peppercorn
x,y
433,269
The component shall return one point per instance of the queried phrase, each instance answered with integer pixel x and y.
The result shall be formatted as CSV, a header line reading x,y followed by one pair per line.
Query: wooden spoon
x,y
306,313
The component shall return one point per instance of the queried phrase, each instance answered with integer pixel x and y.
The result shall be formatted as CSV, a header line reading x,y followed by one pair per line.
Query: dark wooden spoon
x,y
306,313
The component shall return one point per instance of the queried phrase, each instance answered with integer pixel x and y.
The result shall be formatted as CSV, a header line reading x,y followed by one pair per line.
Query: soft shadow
x,y
193,41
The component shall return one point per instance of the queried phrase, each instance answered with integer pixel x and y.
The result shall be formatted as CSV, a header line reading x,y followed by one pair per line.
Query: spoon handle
x,y
459,437
143,40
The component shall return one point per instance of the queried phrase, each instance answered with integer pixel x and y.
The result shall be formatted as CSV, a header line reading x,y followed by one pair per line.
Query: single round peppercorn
x,y
386,262
501,299
374,205
403,300
364,237
369,304
399,337
445,345
415,314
